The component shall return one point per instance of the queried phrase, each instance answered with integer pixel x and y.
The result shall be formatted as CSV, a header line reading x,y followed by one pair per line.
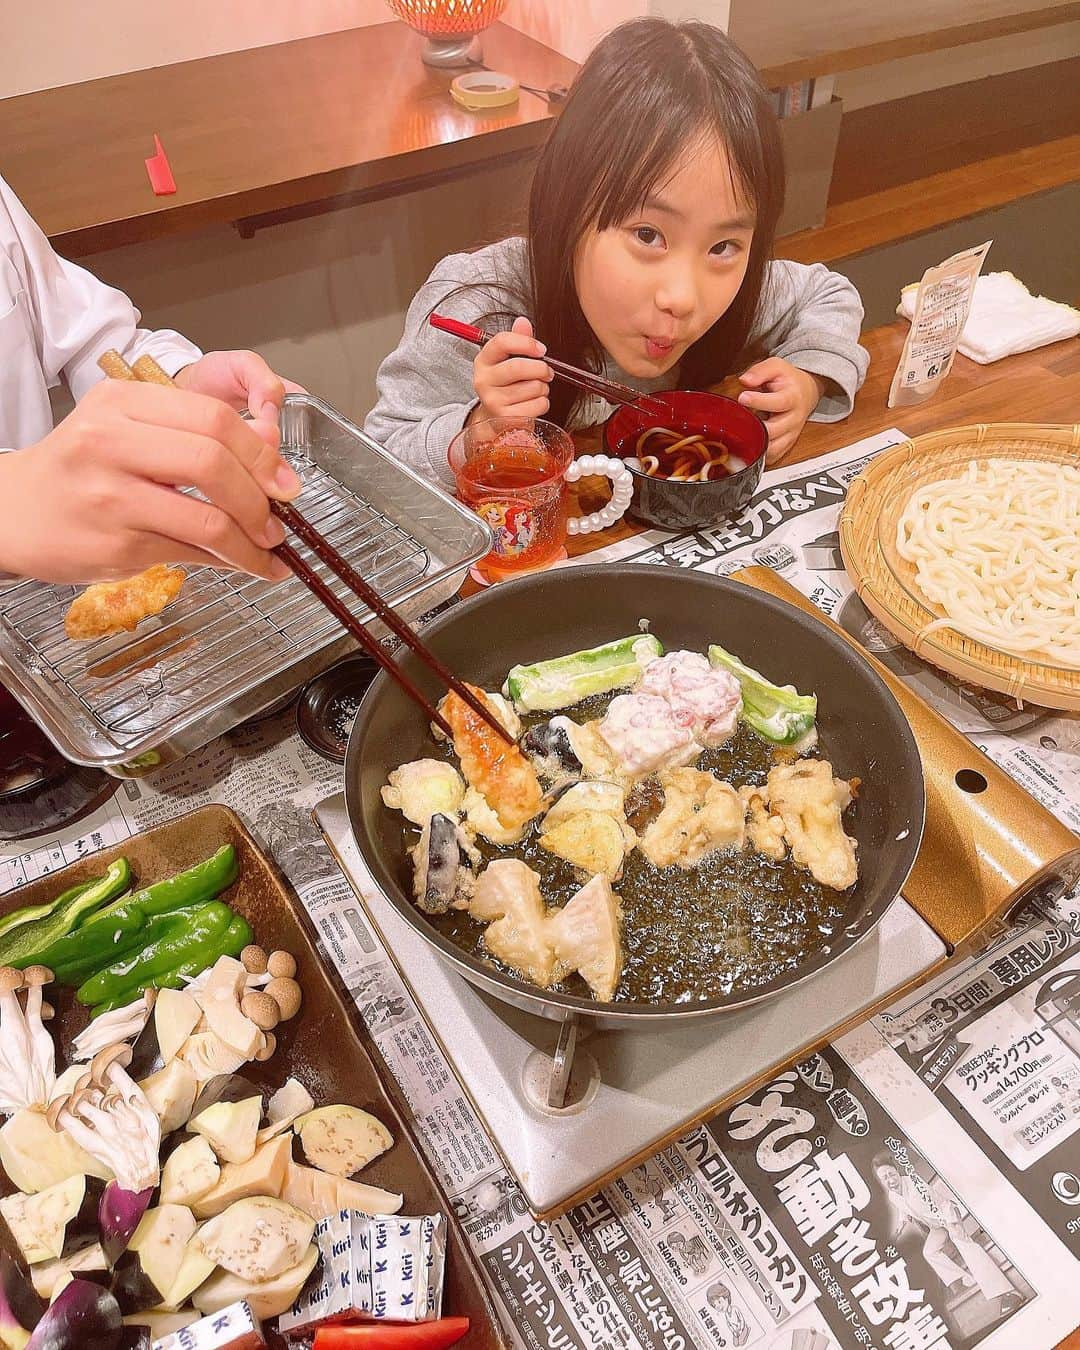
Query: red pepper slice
x,y
392,1336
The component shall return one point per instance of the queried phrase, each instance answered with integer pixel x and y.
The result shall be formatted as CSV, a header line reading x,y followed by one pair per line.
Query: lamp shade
x,y
448,18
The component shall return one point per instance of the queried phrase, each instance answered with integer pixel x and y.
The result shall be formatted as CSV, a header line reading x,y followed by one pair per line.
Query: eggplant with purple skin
x,y
549,747
20,1307
55,1222
441,872
119,1214
83,1316
146,1273
88,1263
228,1112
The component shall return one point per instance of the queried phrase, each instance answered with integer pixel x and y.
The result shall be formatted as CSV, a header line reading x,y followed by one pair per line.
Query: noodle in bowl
x,y
995,551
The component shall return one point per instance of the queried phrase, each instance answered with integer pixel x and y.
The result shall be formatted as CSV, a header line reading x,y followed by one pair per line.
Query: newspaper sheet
x,y
915,1186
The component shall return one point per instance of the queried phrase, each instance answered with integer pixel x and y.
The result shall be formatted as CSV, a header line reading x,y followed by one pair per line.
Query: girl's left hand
x,y
787,395
243,380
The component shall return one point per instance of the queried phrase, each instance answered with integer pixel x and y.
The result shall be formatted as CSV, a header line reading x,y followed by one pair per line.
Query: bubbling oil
x,y
731,925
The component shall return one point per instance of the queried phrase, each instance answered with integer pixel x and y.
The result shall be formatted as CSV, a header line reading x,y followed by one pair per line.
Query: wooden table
x,y
262,135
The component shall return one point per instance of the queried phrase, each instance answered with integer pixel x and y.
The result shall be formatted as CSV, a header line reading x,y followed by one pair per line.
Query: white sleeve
x,y
76,317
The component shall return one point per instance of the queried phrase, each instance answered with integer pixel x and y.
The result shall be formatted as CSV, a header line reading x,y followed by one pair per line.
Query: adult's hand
x,y
97,498
243,380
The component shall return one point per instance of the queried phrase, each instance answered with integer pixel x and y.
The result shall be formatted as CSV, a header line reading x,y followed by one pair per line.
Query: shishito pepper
x,y
186,941
118,930
236,937
25,944
171,940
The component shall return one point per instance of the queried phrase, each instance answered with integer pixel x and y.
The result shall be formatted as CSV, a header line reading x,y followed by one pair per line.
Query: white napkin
x,y
1005,318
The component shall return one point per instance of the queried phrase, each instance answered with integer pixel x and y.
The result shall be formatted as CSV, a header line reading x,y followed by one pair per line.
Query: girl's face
x,y
652,285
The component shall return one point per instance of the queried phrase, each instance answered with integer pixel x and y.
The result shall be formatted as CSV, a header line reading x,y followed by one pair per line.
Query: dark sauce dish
x,y
677,505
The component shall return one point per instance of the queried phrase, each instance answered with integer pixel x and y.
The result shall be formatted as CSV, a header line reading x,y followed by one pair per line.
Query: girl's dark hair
x,y
648,91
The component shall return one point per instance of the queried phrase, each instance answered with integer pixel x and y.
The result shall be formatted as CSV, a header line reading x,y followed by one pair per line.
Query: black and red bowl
x,y
677,505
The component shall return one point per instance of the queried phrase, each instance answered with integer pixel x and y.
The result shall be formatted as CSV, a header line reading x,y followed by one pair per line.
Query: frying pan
x,y
550,614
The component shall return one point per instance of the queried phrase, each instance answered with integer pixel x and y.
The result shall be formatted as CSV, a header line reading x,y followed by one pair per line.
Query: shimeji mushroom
x,y
27,1055
110,1117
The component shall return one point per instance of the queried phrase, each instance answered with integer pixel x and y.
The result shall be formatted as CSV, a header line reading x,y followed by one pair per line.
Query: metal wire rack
x,y
227,633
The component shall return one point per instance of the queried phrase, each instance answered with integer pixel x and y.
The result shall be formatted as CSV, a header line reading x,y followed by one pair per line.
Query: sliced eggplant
x,y
441,873
20,1307
342,1139
41,1223
264,1174
146,1056
147,1271
176,1015
191,1171
195,1269
89,1263
549,747
83,1315
171,1093
227,1112
134,1337
119,1215
35,1156
319,1194
256,1239
265,1300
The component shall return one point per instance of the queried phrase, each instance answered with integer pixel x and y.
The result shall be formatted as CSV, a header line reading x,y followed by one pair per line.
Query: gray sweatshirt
x,y
811,317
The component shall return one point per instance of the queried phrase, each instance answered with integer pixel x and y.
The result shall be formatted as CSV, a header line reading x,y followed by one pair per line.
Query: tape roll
x,y
481,89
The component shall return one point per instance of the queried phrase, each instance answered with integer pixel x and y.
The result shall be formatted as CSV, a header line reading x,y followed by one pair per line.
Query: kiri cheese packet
x,y
387,1268
942,303
233,1328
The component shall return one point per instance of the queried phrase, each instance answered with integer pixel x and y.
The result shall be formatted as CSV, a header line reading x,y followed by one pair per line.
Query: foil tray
x,y
232,645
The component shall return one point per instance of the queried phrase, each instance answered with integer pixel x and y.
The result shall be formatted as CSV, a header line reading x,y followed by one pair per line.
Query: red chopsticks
x,y
611,390
148,370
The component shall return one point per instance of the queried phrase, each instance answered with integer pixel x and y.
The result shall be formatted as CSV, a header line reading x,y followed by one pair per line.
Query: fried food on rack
x,y
498,771
120,606
809,800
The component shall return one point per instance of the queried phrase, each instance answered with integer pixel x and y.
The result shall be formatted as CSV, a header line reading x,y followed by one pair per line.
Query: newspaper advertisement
x,y
915,1186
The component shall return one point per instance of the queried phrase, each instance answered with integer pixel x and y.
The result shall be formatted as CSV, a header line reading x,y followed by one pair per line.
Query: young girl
x,y
651,222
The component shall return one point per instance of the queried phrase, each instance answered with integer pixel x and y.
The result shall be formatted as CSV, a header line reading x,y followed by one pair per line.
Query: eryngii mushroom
x,y
122,1024
109,1116
27,1055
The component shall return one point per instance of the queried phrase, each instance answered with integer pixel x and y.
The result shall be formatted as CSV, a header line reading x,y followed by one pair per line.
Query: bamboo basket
x,y
886,584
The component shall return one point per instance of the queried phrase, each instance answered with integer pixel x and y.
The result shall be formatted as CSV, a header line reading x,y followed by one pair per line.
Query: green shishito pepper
x,y
23,944
173,940
236,938
119,929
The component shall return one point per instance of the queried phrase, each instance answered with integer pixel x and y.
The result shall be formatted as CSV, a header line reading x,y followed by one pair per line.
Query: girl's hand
x,y
96,499
509,377
787,395
243,380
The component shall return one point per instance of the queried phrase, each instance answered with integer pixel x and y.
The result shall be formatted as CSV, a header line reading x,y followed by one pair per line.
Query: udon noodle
x,y
998,550
684,457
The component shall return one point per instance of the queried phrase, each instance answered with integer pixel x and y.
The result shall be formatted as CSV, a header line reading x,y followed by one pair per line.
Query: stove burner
x,y
39,789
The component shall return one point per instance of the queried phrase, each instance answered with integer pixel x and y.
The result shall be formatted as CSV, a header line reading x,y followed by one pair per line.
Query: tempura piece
x,y
481,819
442,875
705,700
764,831
110,607
424,788
508,897
499,771
810,800
700,816
587,827
586,937
644,735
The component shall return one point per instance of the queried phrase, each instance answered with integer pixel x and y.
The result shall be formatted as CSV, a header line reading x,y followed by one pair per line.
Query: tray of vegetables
x,y
190,1120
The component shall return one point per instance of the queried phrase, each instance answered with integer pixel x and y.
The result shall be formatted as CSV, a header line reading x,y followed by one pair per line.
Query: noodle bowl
x,y
686,457
997,549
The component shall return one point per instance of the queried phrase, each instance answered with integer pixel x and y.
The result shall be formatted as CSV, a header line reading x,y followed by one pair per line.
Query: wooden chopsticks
x,y
147,370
